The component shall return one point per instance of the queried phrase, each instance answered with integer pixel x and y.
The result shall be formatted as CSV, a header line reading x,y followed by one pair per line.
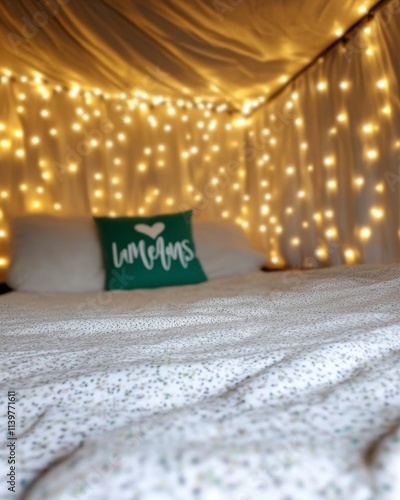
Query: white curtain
x,y
325,181
68,152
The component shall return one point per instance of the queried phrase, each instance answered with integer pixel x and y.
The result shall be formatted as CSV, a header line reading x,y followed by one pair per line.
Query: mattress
x,y
265,386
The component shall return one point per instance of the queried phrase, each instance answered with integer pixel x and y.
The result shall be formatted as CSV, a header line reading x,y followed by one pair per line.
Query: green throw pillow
x,y
149,252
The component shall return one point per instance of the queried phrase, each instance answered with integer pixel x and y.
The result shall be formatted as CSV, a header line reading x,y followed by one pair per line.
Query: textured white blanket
x,y
272,386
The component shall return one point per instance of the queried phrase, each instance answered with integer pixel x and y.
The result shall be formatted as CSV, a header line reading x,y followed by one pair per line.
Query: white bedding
x,y
276,386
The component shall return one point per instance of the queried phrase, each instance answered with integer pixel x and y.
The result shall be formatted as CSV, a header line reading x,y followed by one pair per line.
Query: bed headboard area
x,y
299,146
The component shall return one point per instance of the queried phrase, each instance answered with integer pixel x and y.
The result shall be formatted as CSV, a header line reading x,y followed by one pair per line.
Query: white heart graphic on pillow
x,y
152,231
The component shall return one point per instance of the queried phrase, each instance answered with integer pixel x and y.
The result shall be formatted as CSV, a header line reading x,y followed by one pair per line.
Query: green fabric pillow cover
x,y
149,252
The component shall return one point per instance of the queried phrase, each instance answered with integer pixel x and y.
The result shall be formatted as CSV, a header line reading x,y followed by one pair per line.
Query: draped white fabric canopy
x,y
312,176
223,49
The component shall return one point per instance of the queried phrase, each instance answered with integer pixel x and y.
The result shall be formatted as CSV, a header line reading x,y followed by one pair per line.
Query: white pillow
x,y
224,250
59,254
55,254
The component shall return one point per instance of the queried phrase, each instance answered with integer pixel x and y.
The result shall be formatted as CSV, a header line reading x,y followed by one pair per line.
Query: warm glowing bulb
x,y
290,170
321,86
377,213
359,181
264,209
368,128
350,256
381,84
365,233
344,85
329,214
331,233
295,242
372,154
329,160
317,217
35,140
321,253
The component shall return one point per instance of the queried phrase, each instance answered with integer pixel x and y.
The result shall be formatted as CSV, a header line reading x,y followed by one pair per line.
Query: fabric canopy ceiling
x,y
227,50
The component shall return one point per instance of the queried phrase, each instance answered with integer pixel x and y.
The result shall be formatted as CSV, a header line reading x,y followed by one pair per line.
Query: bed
x,y
266,386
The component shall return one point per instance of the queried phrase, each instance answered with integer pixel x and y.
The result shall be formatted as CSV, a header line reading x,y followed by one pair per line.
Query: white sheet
x,y
271,386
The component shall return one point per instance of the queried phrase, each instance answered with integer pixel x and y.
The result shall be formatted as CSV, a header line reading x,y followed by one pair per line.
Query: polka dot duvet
x,y
276,386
